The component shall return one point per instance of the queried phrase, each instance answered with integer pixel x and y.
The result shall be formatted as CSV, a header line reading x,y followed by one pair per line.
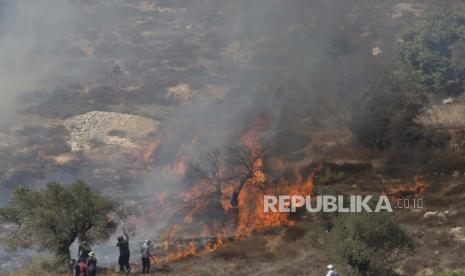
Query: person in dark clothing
x,y
124,253
83,250
116,71
146,255
91,264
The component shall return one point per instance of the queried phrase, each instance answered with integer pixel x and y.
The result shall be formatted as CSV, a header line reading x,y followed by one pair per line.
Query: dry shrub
x,y
315,235
253,248
292,270
414,265
445,116
271,231
444,239
249,248
287,250
229,253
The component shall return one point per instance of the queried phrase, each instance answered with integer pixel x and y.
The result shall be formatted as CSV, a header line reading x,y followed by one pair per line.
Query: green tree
x,y
386,114
361,243
432,46
386,119
52,218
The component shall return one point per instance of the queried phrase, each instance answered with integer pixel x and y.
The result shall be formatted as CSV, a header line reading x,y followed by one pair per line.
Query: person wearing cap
x,y
91,264
331,271
146,255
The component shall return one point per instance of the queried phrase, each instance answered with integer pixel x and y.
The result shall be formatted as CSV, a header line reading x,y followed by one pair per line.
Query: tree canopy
x,y
53,217
386,115
433,46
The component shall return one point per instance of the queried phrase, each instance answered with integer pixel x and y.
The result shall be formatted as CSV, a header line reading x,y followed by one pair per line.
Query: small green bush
x,y
361,243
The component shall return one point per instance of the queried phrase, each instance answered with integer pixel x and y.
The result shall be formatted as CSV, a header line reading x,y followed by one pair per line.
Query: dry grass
x,y
444,116
265,253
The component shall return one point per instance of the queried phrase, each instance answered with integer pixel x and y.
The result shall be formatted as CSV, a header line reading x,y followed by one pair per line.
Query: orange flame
x,y
411,190
248,216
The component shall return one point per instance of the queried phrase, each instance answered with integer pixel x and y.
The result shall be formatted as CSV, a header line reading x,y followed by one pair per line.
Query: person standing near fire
x,y
146,255
124,253
331,271
92,264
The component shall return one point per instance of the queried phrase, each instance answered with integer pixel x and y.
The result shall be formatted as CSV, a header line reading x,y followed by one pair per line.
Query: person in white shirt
x,y
146,255
331,271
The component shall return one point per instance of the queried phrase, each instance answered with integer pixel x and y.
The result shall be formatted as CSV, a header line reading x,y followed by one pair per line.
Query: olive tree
x,y
432,46
53,217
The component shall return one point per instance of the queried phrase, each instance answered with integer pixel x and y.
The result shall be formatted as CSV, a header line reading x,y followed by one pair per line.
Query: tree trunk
x,y
237,192
62,253
219,196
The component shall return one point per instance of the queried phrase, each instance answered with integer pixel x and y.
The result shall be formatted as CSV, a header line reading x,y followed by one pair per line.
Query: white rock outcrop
x,y
107,128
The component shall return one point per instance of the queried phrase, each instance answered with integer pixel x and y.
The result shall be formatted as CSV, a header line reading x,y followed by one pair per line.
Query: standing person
x,y
124,253
331,271
83,250
92,264
115,73
81,268
146,255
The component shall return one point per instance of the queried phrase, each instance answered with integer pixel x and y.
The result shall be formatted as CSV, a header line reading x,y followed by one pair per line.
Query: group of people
x,y
86,264
125,253
87,261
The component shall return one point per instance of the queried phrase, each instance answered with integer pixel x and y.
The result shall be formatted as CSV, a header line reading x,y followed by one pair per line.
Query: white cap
x,y
330,266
